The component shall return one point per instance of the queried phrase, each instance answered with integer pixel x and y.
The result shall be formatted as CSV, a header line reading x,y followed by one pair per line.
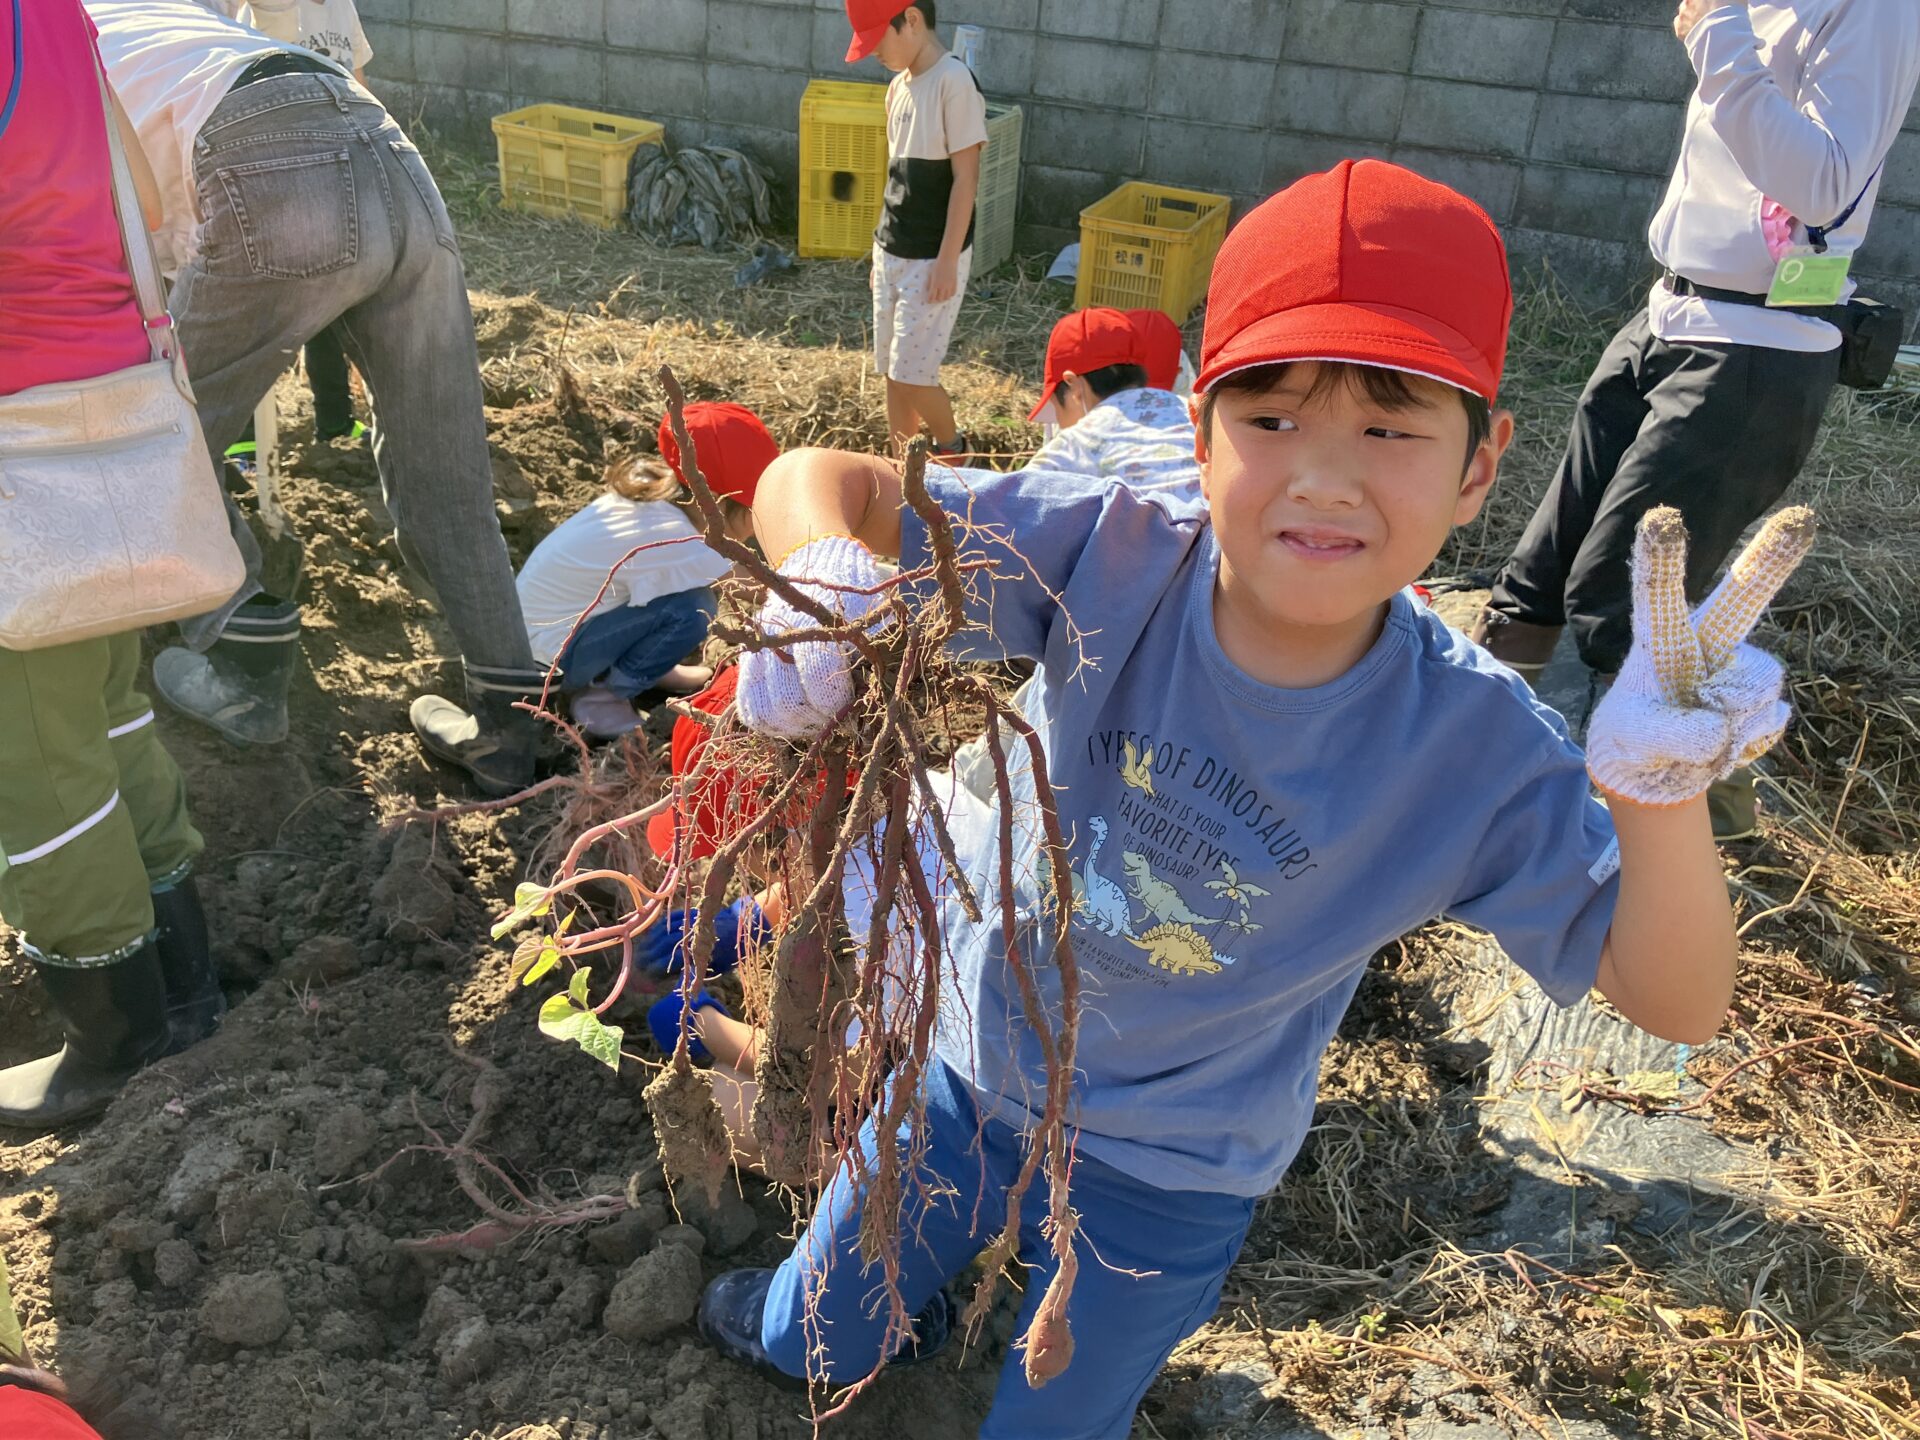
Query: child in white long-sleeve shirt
x,y
617,623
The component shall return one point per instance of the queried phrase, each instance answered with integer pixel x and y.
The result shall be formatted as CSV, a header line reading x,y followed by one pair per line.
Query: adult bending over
x,y
294,202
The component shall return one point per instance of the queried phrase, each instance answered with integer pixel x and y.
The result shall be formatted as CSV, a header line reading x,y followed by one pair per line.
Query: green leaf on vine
x,y
602,1042
545,959
565,1016
559,1017
529,902
524,956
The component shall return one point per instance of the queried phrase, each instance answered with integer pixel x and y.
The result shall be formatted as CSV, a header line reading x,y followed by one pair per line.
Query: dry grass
x,y
1798,1321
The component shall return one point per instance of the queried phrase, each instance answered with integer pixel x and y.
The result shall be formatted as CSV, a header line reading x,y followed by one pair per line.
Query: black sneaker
x,y
731,1309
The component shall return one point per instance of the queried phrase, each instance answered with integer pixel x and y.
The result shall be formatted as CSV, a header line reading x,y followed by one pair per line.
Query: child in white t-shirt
x,y
616,618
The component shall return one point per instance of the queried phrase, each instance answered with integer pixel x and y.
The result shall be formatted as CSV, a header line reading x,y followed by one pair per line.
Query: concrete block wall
x,y
1562,117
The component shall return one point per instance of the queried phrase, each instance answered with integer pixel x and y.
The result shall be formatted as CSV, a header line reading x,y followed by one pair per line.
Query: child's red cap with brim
x,y
733,447
1367,264
870,20
1085,341
1161,345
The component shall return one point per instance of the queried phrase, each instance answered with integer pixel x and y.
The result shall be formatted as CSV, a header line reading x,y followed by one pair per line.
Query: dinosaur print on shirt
x,y
1177,932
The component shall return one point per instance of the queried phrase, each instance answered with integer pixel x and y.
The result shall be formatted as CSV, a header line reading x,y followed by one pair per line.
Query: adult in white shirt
x,y
1707,400
318,211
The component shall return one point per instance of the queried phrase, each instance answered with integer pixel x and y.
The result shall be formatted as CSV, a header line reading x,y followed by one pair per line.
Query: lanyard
x,y
1816,234
13,87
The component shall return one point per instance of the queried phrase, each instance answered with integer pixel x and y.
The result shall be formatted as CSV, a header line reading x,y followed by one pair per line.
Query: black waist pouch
x,y
1870,336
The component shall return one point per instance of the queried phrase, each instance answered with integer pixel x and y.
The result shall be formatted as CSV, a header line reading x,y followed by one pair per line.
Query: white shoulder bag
x,y
111,516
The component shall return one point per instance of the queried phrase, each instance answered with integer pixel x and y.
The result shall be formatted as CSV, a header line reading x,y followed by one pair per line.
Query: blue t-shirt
x,y
1238,851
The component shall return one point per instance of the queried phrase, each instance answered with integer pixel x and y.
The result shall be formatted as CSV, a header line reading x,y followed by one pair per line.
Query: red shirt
x,y
24,1412
67,307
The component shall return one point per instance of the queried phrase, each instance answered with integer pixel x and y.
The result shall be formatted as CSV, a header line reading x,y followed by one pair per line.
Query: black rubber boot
x,y
195,1001
733,1303
1520,645
493,742
239,686
114,1018
1734,807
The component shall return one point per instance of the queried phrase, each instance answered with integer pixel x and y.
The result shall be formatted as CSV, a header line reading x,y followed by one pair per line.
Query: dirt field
x,y
240,1239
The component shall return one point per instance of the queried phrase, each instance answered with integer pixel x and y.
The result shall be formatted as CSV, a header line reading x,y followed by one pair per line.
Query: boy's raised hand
x,y
1693,701
799,690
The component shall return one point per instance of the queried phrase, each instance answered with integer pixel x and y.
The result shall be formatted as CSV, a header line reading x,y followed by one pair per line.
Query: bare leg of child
x,y
731,1042
907,405
685,680
734,1093
903,421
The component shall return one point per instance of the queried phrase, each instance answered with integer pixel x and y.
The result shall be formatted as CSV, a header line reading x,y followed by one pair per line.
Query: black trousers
x,y
1718,431
327,376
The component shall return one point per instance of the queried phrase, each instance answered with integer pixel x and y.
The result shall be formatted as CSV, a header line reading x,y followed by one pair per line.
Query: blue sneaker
x,y
732,1307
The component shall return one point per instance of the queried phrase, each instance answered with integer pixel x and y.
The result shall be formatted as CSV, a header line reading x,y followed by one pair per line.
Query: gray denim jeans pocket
x,y
297,217
409,158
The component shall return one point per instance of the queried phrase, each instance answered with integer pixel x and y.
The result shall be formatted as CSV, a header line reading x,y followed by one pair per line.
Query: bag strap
x,y
135,243
1817,234
13,85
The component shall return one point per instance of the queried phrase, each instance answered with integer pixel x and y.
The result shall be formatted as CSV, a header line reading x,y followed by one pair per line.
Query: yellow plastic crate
x,y
843,174
1150,247
843,167
559,160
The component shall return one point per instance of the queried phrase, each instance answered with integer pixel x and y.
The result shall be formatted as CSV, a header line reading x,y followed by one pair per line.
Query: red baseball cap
x,y
1085,341
1366,263
733,447
870,20
1161,345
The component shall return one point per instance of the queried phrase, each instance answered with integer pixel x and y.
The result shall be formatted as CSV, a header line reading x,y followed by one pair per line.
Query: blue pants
x,y
629,649
1178,1246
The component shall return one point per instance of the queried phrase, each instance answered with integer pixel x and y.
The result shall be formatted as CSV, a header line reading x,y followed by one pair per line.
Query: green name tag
x,y
1809,280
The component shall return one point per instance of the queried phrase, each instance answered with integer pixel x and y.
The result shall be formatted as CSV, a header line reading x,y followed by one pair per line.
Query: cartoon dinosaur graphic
x,y
1137,769
1181,949
1163,902
1105,903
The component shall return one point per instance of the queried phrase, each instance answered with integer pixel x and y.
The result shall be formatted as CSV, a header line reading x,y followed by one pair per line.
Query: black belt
x,y
282,62
1680,285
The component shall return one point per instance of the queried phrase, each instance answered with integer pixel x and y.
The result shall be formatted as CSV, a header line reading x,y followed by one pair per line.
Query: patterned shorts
x,y
909,335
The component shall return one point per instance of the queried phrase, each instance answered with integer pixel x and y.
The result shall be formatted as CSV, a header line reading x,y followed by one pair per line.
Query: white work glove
x,y
1693,703
800,690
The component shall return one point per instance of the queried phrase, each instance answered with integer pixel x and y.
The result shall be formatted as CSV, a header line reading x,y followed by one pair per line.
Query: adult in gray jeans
x,y
294,202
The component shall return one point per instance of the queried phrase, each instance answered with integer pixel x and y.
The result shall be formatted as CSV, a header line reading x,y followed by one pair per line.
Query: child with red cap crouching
x,y
619,593
717,801
1110,418
1168,367
1245,715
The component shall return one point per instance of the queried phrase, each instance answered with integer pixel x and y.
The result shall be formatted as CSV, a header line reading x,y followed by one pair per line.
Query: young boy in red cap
x,y
616,623
923,248
1168,367
1244,719
1108,419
